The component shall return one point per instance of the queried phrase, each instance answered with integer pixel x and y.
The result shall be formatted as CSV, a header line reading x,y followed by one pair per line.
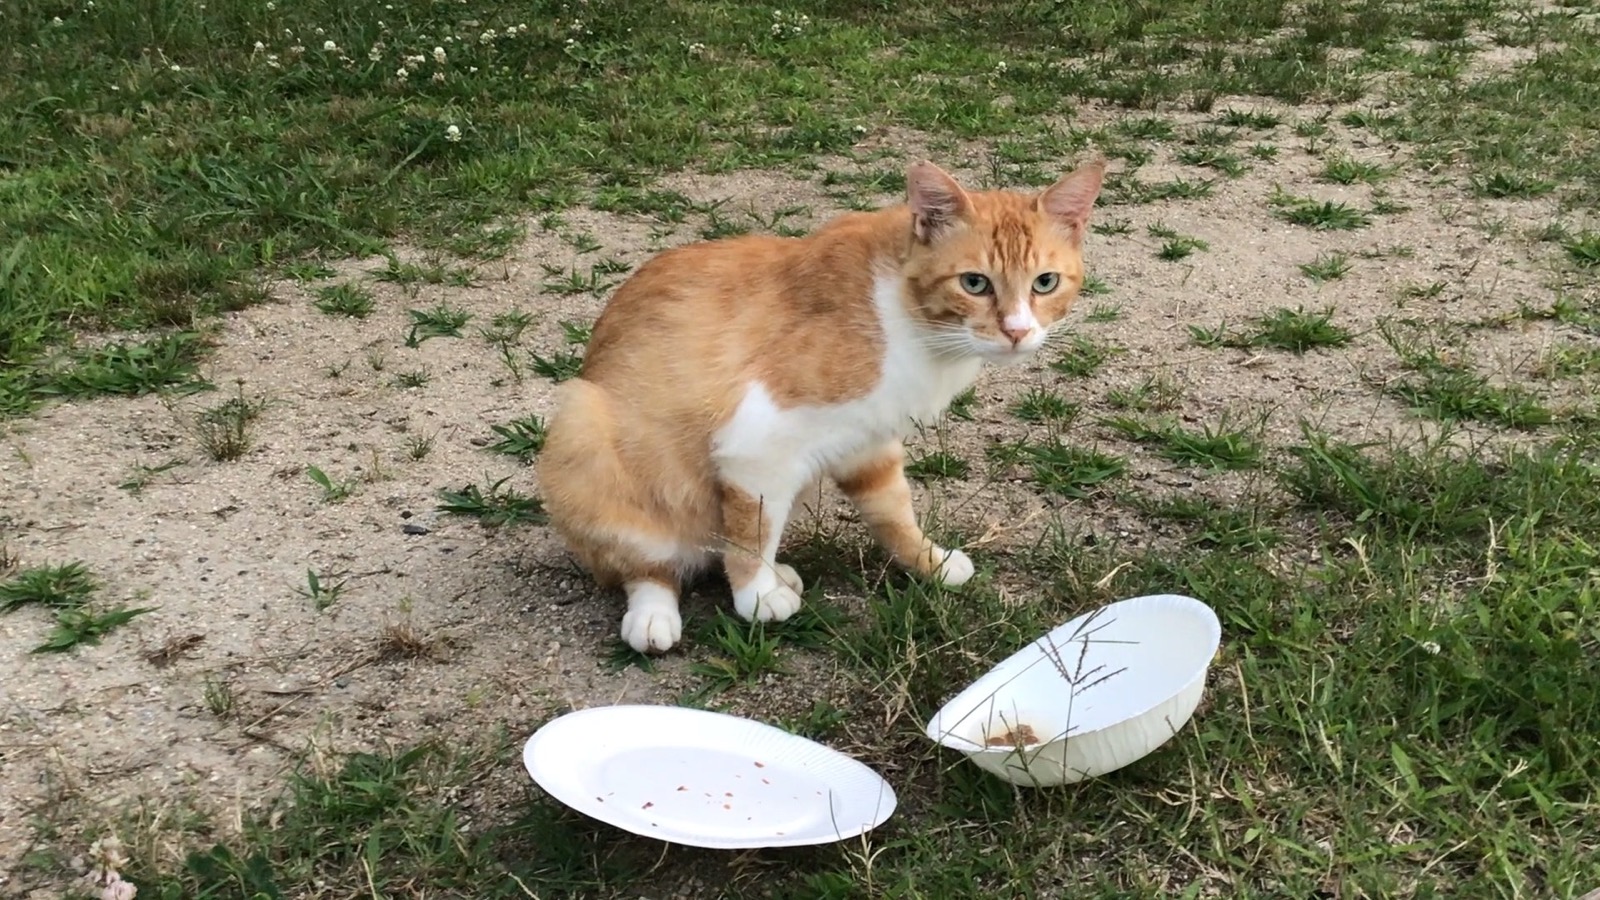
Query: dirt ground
x,y
222,549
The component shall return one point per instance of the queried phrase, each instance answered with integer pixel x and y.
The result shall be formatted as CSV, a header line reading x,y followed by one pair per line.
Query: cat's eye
x,y
1047,283
974,284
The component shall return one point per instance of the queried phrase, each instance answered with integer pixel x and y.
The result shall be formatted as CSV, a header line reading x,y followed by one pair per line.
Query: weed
x,y
332,491
1043,405
410,273
1212,448
163,363
1297,331
142,476
1254,119
558,367
79,625
506,328
224,430
500,506
1511,184
441,321
961,406
1326,215
935,465
65,586
522,438
1345,170
219,697
415,378
1081,357
321,592
1071,471
1327,267
1094,285
1155,393
1111,227
742,653
1584,249
345,299
418,446
1224,161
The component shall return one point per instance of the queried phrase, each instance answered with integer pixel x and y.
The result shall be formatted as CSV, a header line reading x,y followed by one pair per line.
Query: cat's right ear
x,y
936,200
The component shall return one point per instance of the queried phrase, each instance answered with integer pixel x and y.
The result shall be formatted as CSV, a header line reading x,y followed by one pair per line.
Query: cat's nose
x,y
1016,333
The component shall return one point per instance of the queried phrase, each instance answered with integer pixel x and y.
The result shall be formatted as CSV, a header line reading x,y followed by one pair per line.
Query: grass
x,y
66,591
224,430
1212,448
1294,330
346,299
499,506
1327,267
1409,686
522,438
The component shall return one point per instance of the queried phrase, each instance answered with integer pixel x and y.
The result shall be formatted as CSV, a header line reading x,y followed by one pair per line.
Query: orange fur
x,y
665,451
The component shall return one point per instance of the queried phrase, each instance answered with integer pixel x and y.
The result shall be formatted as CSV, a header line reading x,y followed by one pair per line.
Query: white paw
x,y
774,604
789,576
956,570
652,623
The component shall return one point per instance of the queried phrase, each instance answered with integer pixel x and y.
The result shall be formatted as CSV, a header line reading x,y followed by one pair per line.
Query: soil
x,y
447,628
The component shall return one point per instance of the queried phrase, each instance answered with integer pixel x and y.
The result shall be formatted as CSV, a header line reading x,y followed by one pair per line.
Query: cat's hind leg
x,y
876,484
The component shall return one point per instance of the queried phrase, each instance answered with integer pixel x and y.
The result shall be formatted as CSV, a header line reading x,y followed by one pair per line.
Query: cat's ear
x,y
936,200
1070,200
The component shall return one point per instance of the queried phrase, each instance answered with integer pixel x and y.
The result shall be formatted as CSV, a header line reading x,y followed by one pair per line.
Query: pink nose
x,y
1015,334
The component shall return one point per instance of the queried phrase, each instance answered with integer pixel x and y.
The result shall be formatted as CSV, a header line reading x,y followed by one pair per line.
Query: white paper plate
x,y
704,779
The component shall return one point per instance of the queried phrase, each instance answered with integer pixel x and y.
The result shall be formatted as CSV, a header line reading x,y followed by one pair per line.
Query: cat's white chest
x,y
766,442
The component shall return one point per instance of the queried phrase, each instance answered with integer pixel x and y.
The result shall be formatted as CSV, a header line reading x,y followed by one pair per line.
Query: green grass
x,y
65,586
522,438
346,299
1327,267
1081,357
1324,215
499,506
1211,448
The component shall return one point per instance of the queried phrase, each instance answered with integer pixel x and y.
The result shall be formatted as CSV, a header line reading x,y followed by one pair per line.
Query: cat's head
x,y
991,272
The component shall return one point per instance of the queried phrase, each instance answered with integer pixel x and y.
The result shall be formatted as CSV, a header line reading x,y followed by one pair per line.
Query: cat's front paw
x,y
790,577
774,604
955,570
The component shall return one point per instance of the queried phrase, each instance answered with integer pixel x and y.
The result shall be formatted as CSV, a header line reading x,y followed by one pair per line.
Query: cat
x,y
725,376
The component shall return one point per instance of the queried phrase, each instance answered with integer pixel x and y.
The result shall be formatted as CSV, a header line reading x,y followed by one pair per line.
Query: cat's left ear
x,y
1070,200
936,200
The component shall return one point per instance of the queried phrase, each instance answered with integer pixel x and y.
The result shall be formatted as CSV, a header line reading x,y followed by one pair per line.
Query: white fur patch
x,y
773,452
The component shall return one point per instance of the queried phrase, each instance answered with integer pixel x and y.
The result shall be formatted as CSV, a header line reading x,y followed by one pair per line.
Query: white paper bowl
x,y
1088,698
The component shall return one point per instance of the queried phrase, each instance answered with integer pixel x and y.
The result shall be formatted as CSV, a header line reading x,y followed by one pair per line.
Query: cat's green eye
x,y
1047,283
974,284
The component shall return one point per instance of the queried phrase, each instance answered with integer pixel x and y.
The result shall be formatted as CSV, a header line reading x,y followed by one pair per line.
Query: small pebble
x,y
410,528
341,682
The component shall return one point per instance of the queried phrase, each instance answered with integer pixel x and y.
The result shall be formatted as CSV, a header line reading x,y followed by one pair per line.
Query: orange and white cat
x,y
724,377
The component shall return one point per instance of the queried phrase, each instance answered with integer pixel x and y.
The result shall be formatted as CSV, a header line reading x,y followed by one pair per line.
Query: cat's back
x,y
721,302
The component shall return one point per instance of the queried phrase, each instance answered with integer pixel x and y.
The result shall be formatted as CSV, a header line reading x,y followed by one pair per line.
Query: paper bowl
x,y
1090,697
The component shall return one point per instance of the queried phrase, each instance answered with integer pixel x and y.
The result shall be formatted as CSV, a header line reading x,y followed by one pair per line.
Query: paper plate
x,y
704,779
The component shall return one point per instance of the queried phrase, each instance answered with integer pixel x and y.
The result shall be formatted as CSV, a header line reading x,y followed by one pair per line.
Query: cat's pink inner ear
x,y
1070,200
936,200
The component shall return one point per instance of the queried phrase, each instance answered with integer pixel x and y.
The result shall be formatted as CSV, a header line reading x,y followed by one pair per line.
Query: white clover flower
x,y
439,77
472,70
375,53
577,25
1431,646
260,46
175,67
1000,67
272,60
438,55
329,46
697,50
453,134
402,73
521,27
319,32
297,48
271,6
56,21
